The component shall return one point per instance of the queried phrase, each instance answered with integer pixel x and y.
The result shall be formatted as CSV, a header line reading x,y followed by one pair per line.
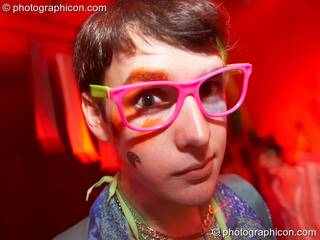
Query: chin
x,y
197,193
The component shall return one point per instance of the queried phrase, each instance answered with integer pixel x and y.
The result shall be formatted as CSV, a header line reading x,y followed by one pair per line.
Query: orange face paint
x,y
145,75
115,118
139,75
151,122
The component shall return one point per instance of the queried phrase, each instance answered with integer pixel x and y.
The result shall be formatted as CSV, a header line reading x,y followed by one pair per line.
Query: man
x,y
154,82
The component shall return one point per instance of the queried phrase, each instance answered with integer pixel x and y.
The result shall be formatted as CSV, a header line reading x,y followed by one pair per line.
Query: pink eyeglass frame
x,y
184,88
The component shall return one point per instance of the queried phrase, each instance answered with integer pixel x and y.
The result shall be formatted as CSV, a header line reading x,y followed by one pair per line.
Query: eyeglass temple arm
x,y
221,49
98,91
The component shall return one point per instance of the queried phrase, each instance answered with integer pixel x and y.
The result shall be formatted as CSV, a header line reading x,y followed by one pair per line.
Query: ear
x,y
94,118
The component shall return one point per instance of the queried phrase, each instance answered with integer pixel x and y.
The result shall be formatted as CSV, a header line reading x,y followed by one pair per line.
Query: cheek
x,y
218,141
219,133
115,119
148,158
151,155
223,138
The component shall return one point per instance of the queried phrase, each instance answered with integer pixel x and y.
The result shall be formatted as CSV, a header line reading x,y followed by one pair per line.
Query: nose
x,y
192,131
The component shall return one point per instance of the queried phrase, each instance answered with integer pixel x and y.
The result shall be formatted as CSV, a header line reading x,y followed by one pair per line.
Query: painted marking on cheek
x,y
133,159
150,122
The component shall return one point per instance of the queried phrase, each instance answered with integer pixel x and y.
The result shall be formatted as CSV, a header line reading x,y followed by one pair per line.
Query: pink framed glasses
x,y
152,105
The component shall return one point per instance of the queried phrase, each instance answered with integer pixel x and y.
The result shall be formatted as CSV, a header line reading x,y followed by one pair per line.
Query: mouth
x,y
197,172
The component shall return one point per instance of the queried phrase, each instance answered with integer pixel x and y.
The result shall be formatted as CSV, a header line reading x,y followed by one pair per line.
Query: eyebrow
x,y
145,75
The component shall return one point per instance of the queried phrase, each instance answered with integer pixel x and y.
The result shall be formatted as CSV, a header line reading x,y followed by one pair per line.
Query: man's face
x,y
158,162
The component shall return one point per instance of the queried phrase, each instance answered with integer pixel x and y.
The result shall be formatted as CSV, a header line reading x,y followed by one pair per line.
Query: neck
x,y
160,214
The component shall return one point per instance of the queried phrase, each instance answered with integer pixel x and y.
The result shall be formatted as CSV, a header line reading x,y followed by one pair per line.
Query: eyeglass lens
x,y
147,107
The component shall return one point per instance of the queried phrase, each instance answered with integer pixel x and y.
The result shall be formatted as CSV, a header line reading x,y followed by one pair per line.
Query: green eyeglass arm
x,y
98,91
221,49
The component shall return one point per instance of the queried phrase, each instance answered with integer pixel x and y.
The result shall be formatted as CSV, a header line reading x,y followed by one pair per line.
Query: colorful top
x,y
107,222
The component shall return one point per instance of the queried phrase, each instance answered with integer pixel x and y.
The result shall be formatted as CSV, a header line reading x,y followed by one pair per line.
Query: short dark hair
x,y
188,24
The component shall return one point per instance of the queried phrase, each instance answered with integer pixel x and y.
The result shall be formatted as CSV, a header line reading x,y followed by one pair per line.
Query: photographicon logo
x,y
56,8
6,7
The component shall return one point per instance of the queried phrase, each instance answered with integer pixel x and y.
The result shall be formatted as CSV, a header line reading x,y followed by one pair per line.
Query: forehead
x,y
153,58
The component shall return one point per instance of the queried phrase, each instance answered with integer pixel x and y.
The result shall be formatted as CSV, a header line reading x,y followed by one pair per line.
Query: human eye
x,y
212,87
147,100
150,99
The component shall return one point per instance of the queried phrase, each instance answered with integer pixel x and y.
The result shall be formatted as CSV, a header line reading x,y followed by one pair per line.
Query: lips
x,y
198,171
192,168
